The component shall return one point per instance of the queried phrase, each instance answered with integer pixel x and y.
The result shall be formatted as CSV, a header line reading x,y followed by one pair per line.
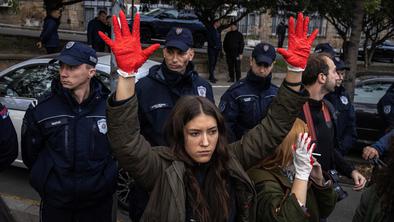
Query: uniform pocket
x,y
248,111
99,145
57,132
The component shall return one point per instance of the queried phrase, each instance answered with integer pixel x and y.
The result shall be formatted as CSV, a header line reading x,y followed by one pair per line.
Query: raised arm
x,y
262,140
128,54
132,151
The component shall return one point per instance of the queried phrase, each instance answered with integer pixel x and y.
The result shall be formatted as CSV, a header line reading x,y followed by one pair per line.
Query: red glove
x,y
127,47
299,45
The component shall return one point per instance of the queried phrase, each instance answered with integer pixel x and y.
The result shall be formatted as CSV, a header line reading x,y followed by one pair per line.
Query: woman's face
x,y
201,136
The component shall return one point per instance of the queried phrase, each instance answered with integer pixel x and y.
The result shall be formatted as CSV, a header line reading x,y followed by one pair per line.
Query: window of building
x,y
316,22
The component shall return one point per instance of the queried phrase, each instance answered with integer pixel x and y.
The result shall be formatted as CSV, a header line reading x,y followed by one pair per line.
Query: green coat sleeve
x,y
274,205
326,199
129,147
262,140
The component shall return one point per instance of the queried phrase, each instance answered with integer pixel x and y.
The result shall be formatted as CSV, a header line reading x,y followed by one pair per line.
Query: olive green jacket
x,y
275,202
161,174
369,209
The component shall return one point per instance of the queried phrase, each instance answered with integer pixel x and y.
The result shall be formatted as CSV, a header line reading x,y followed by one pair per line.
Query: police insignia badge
x,y
102,126
4,112
344,100
69,45
337,59
202,91
266,47
178,31
222,106
387,109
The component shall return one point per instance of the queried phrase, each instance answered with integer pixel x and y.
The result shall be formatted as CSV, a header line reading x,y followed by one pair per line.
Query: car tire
x,y
146,35
123,189
199,40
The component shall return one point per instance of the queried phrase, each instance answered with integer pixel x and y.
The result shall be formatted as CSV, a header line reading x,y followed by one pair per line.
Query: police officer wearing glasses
x,y
246,102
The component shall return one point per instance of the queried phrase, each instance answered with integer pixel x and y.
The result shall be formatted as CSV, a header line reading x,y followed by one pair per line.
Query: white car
x,y
23,83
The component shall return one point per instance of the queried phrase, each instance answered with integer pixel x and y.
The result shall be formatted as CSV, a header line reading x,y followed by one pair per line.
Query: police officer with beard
x,y
246,102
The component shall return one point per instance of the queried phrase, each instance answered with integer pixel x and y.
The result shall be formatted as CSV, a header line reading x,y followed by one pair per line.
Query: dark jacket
x,y
383,144
94,26
49,34
246,102
386,108
214,39
275,202
346,119
159,91
327,141
369,208
65,146
8,139
161,174
233,43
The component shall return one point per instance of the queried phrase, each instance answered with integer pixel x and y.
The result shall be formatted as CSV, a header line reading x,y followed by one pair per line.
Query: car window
x,y
35,80
173,14
370,93
29,81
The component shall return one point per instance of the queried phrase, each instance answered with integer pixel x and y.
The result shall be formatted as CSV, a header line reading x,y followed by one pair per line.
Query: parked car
x,y
383,52
369,89
158,22
23,83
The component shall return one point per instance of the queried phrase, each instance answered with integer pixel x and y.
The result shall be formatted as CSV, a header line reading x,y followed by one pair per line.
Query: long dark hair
x,y
385,183
216,196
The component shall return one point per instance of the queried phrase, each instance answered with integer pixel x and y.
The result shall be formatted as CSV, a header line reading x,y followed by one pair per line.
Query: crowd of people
x,y
266,153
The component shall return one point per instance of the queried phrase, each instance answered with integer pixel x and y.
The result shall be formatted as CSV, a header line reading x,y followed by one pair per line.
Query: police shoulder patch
x,y
387,109
202,91
3,112
344,100
102,126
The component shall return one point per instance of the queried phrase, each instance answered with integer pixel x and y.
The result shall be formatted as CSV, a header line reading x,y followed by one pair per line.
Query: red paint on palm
x,y
127,46
299,44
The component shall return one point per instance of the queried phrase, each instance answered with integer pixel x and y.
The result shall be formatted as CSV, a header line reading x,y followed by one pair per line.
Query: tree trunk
x,y
354,41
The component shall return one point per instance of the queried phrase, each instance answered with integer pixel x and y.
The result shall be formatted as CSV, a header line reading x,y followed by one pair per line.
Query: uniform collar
x,y
259,81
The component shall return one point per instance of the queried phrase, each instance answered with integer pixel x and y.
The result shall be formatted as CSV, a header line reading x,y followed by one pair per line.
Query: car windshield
x,y
370,93
154,12
29,81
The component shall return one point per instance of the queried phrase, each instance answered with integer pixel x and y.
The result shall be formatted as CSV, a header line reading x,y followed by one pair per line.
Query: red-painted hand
x,y
126,46
299,45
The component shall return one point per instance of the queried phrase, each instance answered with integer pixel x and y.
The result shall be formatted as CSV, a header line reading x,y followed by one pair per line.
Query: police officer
x,y
8,139
246,102
233,46
159,91
386,108
344,110
170,80
214,48
65,145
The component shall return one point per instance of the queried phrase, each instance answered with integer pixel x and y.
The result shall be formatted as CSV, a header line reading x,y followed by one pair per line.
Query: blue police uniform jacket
x,y
386,108
8,139
49,35
346,119
157,94
246,102
65,146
